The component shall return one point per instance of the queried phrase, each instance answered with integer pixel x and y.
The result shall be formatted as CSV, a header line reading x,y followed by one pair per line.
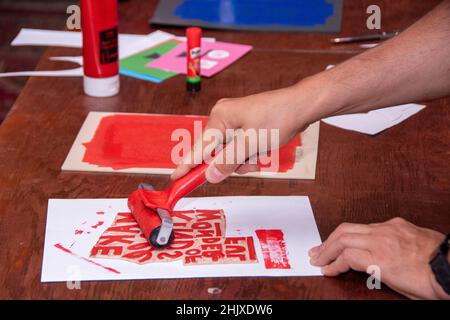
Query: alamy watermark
x,y
252,146
374,280
73,22
374,20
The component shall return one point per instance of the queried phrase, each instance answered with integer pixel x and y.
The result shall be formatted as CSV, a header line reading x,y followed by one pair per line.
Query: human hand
x,y
279,109
400,249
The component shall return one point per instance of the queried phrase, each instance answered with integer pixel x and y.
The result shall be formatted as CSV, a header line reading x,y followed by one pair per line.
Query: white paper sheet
x,y
291,214
375,121
129,44
76,72
72,39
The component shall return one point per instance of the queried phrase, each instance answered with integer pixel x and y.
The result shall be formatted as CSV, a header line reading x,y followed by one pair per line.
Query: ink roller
x,y
153,209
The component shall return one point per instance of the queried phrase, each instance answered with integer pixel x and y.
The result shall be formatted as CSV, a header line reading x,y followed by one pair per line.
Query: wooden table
x,y
401,172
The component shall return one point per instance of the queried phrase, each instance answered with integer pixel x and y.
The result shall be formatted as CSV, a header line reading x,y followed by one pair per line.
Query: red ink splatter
x,y
273,248
100,212
61,247
77,232
144,141
98,224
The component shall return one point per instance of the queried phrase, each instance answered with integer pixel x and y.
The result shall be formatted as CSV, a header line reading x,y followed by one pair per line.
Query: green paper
x,y
137,62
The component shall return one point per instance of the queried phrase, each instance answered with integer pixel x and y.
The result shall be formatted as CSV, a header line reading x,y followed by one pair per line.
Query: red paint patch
x,y
136,141
273,248
77,232
144,141
98,224
100,212
61,247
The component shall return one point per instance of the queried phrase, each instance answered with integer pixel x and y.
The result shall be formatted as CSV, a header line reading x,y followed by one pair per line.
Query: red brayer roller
x,y
152,209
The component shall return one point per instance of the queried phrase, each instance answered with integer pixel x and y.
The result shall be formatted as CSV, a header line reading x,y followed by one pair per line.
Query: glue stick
x,y
99,21
193,80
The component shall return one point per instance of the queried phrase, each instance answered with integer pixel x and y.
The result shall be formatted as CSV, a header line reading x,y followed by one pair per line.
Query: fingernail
x,y
213,175
313,252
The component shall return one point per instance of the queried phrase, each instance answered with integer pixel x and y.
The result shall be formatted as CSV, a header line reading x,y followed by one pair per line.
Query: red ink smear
x,y
61,247
144,141
98,224
273,248
100,212
77,232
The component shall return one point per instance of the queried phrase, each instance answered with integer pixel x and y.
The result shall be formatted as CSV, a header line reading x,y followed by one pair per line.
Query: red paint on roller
x,y
61,247
144,141
273,248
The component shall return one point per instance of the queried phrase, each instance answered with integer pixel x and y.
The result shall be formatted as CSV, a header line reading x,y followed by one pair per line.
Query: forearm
x,y
414,66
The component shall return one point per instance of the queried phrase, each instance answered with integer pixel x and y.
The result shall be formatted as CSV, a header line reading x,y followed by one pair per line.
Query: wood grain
x,y
400,172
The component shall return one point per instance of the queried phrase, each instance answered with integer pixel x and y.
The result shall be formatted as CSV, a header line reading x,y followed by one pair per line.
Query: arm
x,y
413,66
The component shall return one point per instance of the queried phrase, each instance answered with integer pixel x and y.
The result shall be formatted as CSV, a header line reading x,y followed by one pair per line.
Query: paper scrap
x,y
216,56
375,121
135,65
67,254
128,43
199,239
76,72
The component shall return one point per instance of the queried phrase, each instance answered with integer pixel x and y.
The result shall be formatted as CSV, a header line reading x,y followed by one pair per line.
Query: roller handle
x,y
186,184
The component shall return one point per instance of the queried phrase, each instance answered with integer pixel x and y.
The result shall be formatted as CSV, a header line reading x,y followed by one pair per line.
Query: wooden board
x,y
304,167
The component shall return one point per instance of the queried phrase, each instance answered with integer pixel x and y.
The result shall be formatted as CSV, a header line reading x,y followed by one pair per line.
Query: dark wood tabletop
x,y
403,171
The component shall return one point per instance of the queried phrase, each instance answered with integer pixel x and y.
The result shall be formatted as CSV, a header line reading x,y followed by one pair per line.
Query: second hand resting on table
x,y
414,66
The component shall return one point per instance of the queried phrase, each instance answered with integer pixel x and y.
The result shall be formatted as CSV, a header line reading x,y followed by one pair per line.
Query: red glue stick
x,y
99,21
193,80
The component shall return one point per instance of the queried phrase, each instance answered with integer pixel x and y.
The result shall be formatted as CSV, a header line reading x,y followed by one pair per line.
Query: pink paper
x,y
216,56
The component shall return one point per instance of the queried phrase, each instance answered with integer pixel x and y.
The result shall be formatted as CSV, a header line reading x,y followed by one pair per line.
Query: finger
x,y
341,229
334,248
209,141
355,259
235,154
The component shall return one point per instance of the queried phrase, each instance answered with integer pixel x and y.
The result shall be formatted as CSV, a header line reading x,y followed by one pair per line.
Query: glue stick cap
x,y
193,35
101,87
